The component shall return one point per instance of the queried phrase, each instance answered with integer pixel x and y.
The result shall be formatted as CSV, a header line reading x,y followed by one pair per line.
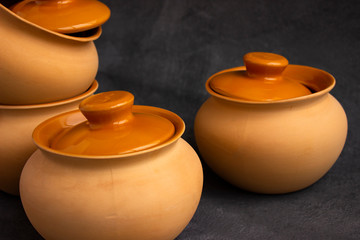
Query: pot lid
x,y
112,127
64,16
261,81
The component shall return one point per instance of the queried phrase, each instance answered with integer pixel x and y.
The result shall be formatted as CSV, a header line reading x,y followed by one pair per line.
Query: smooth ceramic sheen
x,y
16,126
273,147
263,79
150,194
112,127
70,16
41,66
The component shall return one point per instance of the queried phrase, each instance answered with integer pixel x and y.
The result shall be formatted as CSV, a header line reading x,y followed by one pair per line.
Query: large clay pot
x,y
149,193
275,146
41,66
16,126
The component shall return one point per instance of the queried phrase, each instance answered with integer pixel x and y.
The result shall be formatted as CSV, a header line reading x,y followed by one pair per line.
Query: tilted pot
x,y
125,173
41,66
16,126
270,143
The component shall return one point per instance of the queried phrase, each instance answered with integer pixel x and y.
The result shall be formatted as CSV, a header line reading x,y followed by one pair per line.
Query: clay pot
x,y
16,127
41,66
140,193
273,146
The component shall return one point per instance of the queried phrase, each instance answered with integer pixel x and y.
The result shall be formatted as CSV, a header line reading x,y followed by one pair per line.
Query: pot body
x,y
271,147
151,195
16,126
39,66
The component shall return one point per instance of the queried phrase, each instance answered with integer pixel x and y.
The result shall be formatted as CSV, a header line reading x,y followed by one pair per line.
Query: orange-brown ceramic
x,y
275,146
16,126
147,194
70,16
112,128
261,81
42,66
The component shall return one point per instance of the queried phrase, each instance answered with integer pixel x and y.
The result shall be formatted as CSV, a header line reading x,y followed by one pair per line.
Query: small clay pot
x,y
128,184
42,66
16,127
271,143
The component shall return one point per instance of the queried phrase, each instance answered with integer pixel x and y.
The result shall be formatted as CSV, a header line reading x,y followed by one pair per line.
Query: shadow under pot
x,y
270,127
17,123
117,170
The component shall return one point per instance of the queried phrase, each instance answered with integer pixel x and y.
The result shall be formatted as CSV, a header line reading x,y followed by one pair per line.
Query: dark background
x,y
164,51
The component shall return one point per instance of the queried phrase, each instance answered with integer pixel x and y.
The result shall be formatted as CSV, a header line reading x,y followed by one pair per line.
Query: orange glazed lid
x,y
112,127
261,81
64,16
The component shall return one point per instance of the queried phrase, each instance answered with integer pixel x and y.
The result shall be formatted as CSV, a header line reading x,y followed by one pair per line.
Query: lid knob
x,y
266,65
108,109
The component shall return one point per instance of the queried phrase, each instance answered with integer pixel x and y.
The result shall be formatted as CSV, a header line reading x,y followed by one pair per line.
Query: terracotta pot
x,y
139,194
16,126
273,146
39,65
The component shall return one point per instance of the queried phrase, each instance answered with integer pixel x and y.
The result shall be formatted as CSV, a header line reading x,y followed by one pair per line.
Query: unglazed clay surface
x,y
164,51
273,147
41,66
16,127
150,194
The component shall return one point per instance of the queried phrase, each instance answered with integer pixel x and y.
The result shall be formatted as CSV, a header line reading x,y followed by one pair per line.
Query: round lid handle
x,y
108,109
265,65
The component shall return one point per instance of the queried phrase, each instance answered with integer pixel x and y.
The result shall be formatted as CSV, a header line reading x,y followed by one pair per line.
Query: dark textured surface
x,y
164,51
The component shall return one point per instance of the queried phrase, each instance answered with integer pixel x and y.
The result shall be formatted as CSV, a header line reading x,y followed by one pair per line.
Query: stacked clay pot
x,y
270,127
111,171
117,170
43,72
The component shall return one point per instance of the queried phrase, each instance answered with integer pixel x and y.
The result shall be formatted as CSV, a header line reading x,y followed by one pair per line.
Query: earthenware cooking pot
x,y
42,66
123,172
267,140
16,126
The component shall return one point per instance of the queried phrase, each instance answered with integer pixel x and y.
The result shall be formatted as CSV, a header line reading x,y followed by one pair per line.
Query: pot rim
x,y
94,86
96,35
330,85
41,140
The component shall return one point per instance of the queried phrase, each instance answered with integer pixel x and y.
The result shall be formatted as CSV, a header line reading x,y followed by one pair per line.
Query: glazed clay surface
x,y
262,79
16,126
40,66
69,16
150,194
112,128
273,147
